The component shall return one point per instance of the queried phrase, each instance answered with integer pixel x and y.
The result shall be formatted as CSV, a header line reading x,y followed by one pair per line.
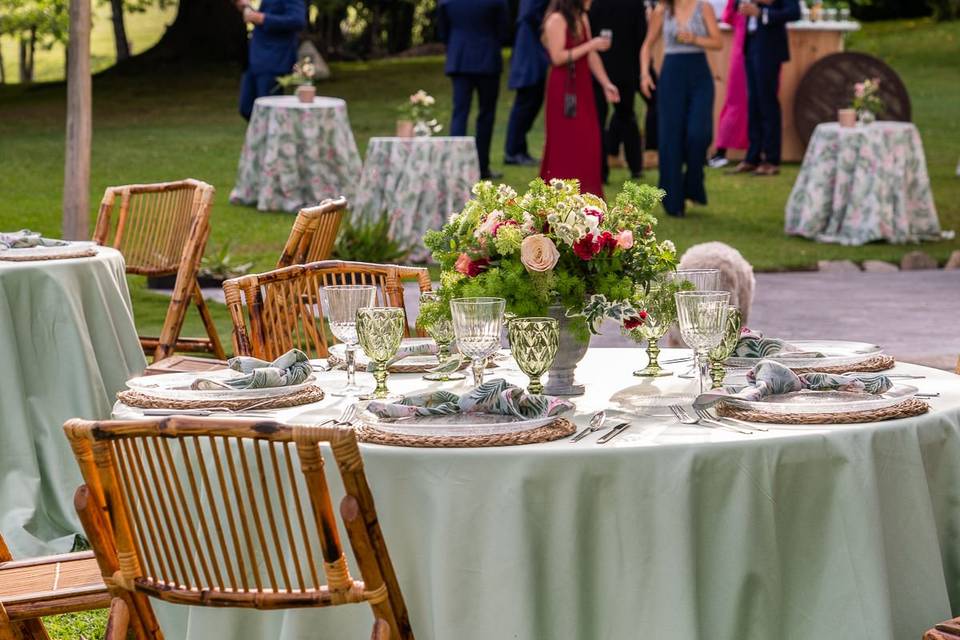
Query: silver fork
x,y
346,418
685,418
706,415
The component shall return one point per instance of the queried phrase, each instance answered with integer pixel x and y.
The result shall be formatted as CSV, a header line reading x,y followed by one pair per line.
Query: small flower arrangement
x,y
304,72
553,245
866,98
419,109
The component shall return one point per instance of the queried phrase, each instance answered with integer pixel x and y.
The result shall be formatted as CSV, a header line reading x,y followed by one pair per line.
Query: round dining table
x,y
863,184
67,345
296,154
416,183
669,531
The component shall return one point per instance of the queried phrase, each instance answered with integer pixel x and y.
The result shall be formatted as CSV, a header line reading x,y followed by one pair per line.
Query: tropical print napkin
x,y
754,345
494,396
291,368
26,239
770,378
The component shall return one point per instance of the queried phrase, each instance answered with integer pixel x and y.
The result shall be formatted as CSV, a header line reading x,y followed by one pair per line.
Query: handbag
x,y
570,90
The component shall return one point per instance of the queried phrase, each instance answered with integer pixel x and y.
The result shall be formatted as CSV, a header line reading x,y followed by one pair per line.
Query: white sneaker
x,y
717,162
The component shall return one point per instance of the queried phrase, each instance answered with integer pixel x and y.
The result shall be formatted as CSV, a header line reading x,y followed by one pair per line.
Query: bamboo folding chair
x,y
283,307
210,512
161,229
313,233
949,630
46,586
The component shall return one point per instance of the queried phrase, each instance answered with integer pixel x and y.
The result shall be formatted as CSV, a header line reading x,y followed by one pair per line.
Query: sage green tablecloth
x,y
296,154
67,345
417,183
862,184
669,532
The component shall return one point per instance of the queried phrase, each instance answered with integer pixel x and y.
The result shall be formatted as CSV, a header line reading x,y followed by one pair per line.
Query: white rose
x,y
538,253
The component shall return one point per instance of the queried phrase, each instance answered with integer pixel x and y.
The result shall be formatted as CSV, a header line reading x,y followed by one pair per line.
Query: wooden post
x,y
76,174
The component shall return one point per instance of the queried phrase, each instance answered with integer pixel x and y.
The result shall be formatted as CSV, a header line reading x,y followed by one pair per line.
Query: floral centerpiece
x,y
302,80
866,100
553,251
417,116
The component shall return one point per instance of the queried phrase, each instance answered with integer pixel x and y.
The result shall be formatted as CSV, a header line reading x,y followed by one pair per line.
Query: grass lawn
x,y
155,128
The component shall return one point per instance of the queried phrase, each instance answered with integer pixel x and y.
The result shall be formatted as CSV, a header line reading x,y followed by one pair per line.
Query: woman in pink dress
x,y
732,127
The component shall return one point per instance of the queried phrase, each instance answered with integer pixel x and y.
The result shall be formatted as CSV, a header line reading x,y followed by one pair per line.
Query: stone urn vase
x,y
306,93
404,128
847,117
561,376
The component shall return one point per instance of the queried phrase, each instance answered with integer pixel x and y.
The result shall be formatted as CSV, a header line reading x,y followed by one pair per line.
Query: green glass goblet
x,y
718,355
534,343
380,330
661,314
442,333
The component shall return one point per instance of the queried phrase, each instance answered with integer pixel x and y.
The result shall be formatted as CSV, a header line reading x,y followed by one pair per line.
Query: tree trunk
x,y
76,173
119,30
3,71
203,31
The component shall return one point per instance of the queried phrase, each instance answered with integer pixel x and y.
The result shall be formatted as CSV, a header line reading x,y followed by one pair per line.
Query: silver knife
x,y
614,432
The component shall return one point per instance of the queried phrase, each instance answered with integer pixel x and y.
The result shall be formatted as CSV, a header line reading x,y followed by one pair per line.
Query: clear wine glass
x,y
343,302
702,316
477,323
701,279
441,331
380,330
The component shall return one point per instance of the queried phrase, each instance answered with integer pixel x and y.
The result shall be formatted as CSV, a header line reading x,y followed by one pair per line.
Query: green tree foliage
x,y
34,23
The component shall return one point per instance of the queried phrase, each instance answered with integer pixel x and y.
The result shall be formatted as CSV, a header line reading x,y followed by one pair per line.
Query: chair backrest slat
x,y
279,310
313,233
167,513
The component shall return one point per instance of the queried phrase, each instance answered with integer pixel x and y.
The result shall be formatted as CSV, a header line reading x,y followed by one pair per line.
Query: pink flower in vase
x,y
625,239
471,268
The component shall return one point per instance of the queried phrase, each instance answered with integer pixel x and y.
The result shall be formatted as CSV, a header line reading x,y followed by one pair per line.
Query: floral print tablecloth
x,y
418,182
296,154
863,184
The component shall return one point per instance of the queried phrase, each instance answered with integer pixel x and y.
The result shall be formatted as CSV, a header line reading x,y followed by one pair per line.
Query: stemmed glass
x,y
380,330
720,353
477,323
661,314
534,343
702,316
441,331
343,302
701,279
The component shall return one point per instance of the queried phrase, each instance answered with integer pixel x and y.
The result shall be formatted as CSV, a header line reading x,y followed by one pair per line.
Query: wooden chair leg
x,y
176,312
118,621
208,324
7,630
381,630
31,630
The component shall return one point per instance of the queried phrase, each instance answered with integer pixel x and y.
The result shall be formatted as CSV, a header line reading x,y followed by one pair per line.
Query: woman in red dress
x,y
572,148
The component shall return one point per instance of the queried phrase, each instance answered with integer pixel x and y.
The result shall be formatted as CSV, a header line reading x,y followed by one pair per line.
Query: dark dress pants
x,y
253,86
650,120
621,129
763,80
526,106
601,101
685,112
487,87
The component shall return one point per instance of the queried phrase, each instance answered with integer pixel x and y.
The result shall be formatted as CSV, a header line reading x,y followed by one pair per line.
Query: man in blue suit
x,y
474,31
765,48
273,47
528,77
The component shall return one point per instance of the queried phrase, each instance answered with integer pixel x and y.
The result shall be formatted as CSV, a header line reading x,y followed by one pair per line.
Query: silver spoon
x,y
596,423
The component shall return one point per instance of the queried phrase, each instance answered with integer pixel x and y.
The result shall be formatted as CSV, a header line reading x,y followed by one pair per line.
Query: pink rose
x,y
625,239
538,253
471,268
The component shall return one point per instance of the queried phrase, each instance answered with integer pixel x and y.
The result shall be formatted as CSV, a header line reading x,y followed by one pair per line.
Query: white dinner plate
x,y
458,424
836,353
808,401
176,386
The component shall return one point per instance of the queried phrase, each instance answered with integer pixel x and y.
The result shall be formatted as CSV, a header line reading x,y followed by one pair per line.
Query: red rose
x,y
471,268
585,248
635,322
606,241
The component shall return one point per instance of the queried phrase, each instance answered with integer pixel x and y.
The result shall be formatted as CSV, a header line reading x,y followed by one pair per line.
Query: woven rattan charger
x,y
307,395
872,365
905,409
559,428
79,252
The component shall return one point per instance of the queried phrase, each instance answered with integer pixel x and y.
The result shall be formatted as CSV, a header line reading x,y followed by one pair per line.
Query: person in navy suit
x,y
273,47
765,48
528,77
474,32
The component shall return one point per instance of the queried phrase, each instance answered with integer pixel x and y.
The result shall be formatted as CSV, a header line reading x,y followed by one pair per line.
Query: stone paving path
x,y
915,315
